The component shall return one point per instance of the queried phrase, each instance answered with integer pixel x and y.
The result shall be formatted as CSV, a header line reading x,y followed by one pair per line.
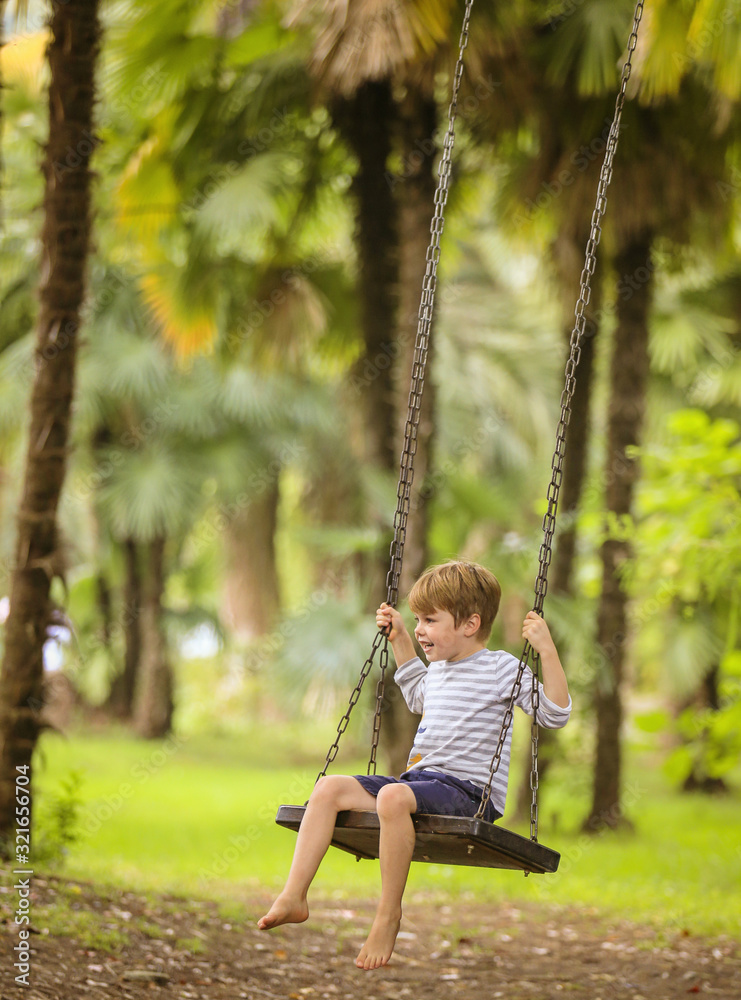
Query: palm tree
x,y
226,184
72,56
360,60
626,410
653,146
154,698
570,62
690,174
120,700
546,198
113,412
138,473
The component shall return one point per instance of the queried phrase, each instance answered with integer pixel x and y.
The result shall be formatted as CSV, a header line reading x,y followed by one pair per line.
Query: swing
x,y
454,840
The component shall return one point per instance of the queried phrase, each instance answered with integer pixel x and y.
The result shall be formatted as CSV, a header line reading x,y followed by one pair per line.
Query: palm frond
x,y
715,34
133,368
486,345
157,49
249,398
661,59
685,336
685,650
193,403
147,197
586,46
23,66
324,649
371,39
185,315
154,492
242,203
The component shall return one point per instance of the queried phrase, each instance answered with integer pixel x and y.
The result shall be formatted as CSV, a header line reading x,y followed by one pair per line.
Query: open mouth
x,y
427,646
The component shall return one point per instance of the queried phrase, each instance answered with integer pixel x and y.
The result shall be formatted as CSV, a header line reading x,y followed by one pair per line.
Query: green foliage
x,y
712,737
587,44
689,510
57,820
685,577
321,649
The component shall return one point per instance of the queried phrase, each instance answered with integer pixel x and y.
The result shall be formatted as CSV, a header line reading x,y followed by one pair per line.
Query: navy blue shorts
x,y
436,793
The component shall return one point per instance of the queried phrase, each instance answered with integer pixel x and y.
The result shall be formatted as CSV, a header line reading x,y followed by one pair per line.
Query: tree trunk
x,y
120,702
628,381
252,598
65,238
569,255
154,702
415,194
103,599
706,697
366,121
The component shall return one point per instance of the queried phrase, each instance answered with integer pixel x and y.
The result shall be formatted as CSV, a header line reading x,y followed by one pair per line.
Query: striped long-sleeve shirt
x,y
464,704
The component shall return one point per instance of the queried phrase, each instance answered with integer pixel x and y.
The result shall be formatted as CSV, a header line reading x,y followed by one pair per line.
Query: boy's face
x,y
439,638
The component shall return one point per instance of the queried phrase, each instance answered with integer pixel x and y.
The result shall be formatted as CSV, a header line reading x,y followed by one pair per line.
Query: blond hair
x,y
460,588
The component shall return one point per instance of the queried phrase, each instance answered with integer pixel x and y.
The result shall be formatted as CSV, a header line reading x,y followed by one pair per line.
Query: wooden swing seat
x,y
441,840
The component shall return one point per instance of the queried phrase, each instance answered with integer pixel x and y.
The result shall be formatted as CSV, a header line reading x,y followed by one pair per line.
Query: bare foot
x,y
378,948
285,910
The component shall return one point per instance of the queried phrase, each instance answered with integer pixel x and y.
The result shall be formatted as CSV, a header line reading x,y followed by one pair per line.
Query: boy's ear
x,y
473,625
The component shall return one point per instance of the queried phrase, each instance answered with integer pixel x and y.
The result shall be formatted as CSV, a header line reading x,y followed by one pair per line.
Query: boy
x,y
463,694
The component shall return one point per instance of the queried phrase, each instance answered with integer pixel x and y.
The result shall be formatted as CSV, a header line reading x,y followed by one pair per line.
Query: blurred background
x,y
264,184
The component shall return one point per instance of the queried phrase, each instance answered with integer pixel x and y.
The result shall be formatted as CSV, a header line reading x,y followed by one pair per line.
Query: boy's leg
x,y
331,794
395,805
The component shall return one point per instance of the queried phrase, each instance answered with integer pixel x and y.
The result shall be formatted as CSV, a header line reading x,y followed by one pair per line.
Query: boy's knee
x,y
327,788
395,799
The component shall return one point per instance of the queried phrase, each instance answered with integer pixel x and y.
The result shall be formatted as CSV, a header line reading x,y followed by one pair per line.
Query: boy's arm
x,y
411,673
555,685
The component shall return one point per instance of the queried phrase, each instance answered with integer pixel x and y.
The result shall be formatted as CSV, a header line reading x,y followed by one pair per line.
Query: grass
x,y
83,925
194,945
195,817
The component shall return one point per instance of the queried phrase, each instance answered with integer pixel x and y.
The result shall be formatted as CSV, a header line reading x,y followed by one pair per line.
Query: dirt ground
x,y
90,943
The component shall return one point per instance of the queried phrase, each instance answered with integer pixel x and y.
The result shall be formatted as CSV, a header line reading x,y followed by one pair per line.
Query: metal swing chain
x,y
419,366
554,488
424,324
345,720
